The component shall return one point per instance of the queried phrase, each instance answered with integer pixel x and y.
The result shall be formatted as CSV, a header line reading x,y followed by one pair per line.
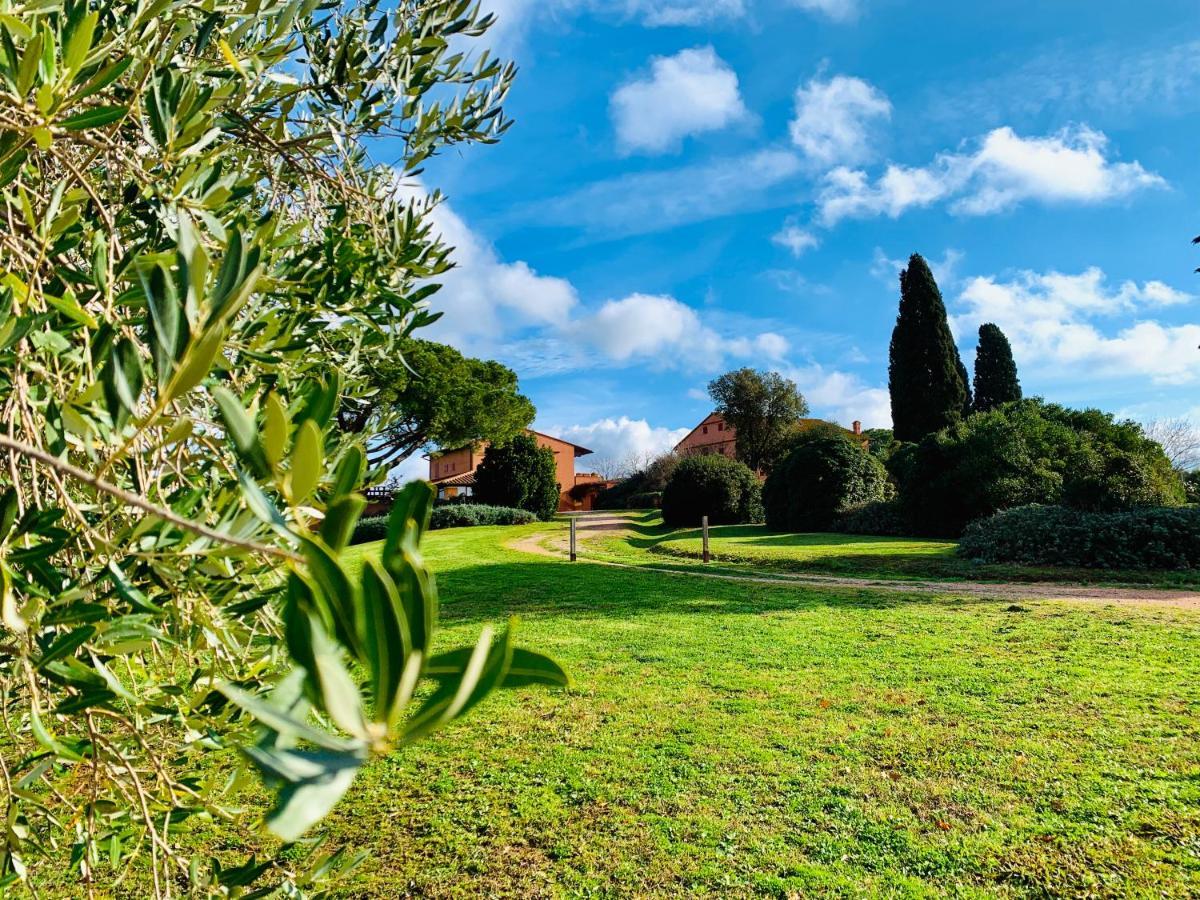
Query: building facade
x,y
715,435
452,472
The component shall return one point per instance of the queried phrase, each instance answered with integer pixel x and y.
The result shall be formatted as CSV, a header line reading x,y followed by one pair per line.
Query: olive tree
x,y
199,259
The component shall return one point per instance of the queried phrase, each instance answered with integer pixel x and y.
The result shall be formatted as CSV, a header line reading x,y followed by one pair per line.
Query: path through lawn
x,y
734,739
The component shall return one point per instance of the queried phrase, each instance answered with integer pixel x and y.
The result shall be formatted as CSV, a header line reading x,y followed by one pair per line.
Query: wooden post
x,y
704,525
572,539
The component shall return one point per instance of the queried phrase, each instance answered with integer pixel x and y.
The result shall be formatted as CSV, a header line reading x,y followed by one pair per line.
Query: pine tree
x,y
995,372
926,376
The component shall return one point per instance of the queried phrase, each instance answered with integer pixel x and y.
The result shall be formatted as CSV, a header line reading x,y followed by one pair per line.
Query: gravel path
x,y
592,523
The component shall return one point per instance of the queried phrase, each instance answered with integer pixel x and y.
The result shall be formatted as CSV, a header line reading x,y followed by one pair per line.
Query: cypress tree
x,y
926,377
995,372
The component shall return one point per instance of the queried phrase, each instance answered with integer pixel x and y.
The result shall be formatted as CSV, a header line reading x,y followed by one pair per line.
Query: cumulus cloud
x,y
842,396
689,93
1050,320
1005,170
668,332
485,297
837,119
794,238
622,440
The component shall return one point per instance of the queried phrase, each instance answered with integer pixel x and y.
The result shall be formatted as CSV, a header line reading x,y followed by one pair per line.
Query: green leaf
x,y
340,518
349,471
8,512
199,359
386,636
307,462
279,721
29,65
239,426
339,694
66,644
9,614
275,428
483,671
526,667
76,49
313,782
47,739
96,117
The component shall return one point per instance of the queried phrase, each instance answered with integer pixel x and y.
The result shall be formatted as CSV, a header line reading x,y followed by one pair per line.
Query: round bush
x,y
821,477
1149,538
723,489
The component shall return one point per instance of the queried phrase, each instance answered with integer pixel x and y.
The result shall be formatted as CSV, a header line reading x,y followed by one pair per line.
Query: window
x,y
706,429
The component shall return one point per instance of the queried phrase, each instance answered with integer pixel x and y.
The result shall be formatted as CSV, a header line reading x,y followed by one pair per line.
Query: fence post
x,y
704,525
572,539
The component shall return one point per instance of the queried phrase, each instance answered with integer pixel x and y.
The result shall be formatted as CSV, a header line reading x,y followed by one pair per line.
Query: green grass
x,y
729,739
754,548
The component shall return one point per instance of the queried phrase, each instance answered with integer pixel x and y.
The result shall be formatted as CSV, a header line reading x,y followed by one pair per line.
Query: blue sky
x,y
697,185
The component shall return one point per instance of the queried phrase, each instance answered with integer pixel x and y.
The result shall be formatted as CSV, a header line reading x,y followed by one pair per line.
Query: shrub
x,y
1030,452
645,500
462,515
723,489
519,474
650,480
823,475
879,517
372,528
1150,538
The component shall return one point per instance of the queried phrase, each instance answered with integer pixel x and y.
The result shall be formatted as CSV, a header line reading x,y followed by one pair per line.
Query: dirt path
x,y
591,524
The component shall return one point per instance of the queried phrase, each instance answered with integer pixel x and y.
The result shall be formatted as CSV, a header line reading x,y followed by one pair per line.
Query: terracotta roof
x,y
464,479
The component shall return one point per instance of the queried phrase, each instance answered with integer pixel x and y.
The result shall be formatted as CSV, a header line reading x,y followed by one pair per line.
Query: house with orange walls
x,y
452,472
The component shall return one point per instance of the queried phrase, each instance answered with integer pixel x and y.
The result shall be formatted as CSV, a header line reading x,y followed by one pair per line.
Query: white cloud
x,y
647,202
622,440
842,396
1048,319
1006,170
836,120
689,93
483,297
668,332
795,239
837,10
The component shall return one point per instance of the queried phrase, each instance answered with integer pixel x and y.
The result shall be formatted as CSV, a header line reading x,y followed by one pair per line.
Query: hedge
x,y
1148,538
455,515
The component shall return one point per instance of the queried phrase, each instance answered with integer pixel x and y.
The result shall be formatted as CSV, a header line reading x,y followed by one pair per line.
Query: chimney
x,y
857,426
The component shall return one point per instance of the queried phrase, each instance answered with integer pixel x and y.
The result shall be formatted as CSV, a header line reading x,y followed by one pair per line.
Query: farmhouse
x,y
452,472
715,435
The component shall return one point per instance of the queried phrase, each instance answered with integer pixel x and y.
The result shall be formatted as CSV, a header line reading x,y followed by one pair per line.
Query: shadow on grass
x,y
588,590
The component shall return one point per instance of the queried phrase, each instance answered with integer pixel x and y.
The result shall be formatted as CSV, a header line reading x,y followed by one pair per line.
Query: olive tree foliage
x,y
198,261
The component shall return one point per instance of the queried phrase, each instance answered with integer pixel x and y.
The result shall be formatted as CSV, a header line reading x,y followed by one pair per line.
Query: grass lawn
x,y
753,547
730,739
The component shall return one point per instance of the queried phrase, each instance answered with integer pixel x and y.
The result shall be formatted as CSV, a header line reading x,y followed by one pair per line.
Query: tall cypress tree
x,y
926,376
995,372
